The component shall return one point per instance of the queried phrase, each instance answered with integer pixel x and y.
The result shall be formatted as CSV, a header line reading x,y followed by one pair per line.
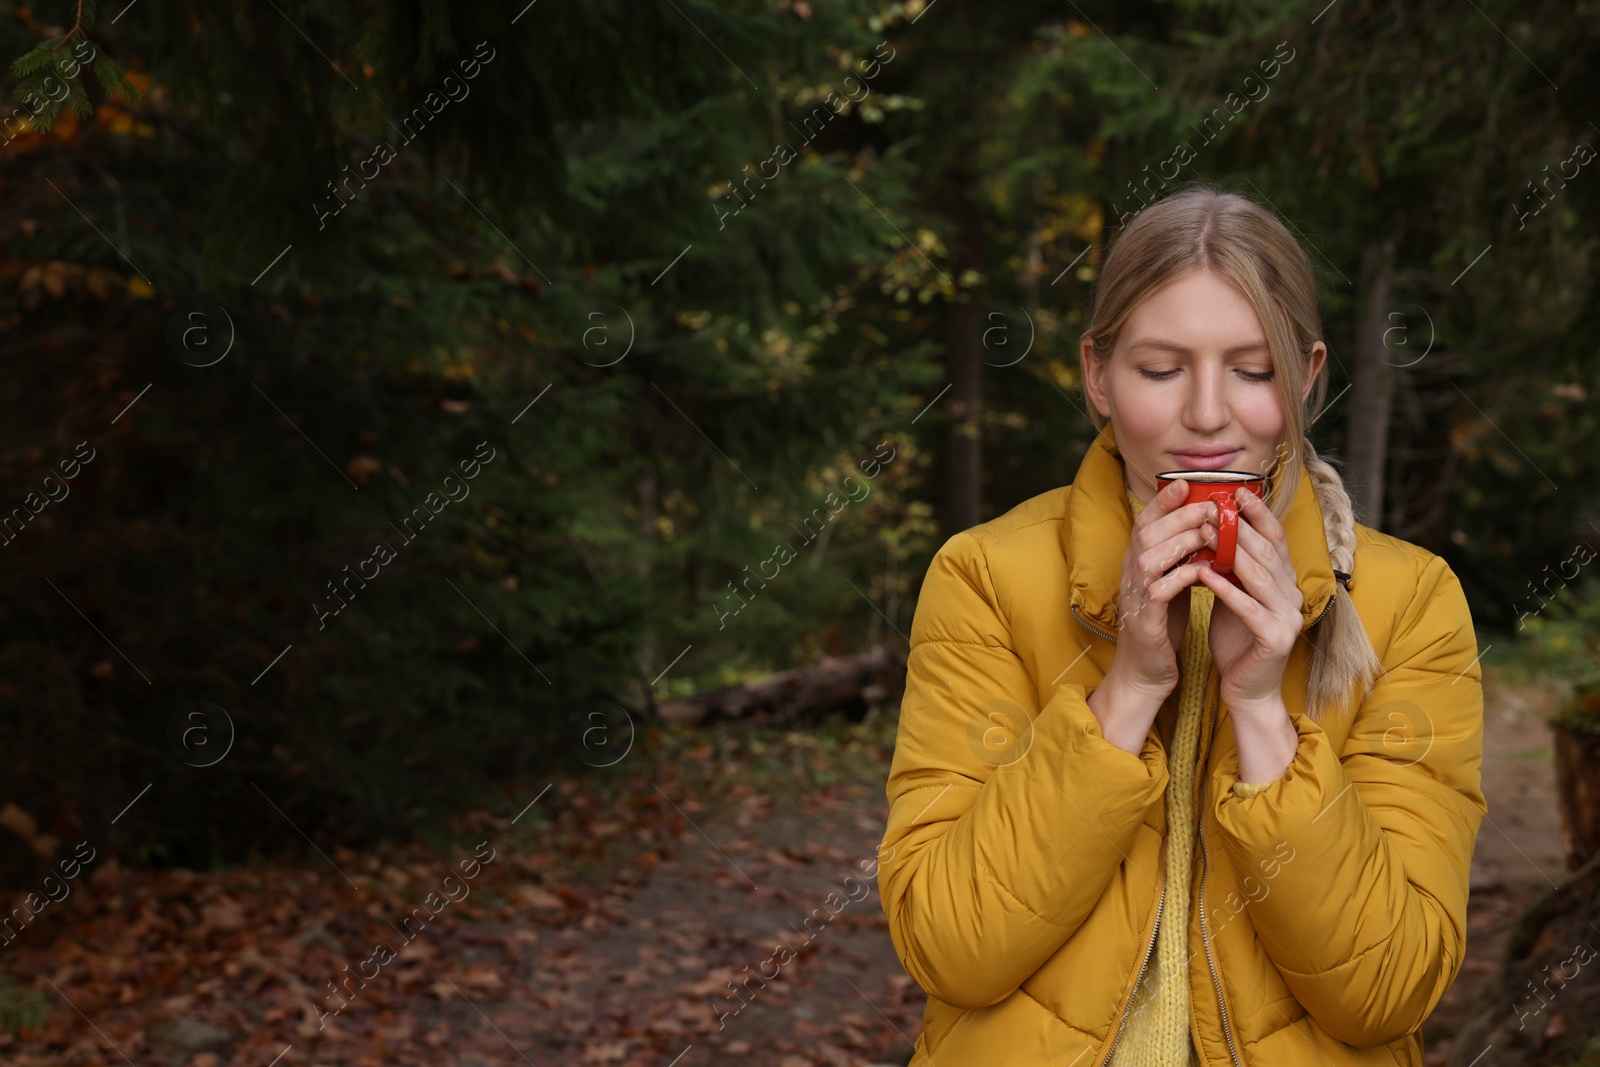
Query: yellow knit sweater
x,y
1156,1032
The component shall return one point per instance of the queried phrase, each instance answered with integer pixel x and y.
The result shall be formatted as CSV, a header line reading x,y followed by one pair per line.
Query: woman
x,y
1140,815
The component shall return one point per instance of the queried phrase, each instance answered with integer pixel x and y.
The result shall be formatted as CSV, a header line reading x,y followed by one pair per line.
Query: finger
x,y
1261,517
1263,585
1169,585
1159,592
1271,631
1277,586
1277,597
1162,562
1272,554
1168,499
1168,496
1241,603
1273,558
1161,559
1171,494
1164,527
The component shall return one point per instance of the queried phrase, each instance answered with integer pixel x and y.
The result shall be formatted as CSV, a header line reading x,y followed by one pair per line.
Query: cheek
x,y
1147,421
1146,409
1144,418
1260,415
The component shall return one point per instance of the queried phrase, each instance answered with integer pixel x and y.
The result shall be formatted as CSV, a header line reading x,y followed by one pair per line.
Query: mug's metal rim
x,y
1240,477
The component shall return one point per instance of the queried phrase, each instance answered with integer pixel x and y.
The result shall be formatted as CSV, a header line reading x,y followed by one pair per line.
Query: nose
x,y
1205,410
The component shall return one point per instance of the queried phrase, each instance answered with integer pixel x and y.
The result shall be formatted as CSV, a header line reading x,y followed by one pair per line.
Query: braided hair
x,y
1345,658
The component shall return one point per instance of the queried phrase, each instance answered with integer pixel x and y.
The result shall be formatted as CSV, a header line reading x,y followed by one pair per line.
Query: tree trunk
x,y
964,470
1423,458
845,683
963,490
1372,386
647,657
1578,793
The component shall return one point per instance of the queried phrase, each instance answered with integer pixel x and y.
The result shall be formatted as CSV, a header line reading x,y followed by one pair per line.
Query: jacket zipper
x,y
1205,938
1325,608
1092,629
1149,949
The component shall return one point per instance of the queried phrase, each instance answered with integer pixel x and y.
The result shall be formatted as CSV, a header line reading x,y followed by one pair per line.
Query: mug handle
x,y
1227,533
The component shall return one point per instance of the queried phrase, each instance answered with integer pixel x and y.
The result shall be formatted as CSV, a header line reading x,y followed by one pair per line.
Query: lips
x,y
1197,462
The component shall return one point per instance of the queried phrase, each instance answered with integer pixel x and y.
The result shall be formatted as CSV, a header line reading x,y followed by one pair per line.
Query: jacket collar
x,y
1099,524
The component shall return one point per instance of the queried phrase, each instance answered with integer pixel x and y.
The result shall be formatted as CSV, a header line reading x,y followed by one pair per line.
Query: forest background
x,y
669,279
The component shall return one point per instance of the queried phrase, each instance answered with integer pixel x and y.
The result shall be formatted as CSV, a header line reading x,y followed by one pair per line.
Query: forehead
x,y
1200,310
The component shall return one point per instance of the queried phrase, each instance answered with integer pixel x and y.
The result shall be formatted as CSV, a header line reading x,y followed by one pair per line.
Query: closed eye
x,y
1249,376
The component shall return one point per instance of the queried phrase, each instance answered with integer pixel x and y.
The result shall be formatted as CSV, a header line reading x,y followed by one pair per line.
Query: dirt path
x,y
607,928
1519,852
771,899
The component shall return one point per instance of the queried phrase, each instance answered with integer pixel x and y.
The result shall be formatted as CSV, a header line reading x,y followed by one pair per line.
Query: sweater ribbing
x,y
1157,1032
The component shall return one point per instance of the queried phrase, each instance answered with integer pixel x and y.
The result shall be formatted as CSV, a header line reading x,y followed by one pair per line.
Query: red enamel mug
x,y
1220,487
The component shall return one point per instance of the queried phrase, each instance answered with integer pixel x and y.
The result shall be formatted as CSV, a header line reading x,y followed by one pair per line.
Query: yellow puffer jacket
x,y
1021,870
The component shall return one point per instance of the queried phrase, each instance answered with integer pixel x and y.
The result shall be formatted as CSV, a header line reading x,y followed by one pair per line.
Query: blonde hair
x,y
1199,228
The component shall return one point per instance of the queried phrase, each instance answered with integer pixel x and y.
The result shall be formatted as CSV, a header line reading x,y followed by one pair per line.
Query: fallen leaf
x,y
535,897
224,914
605,1052
482,977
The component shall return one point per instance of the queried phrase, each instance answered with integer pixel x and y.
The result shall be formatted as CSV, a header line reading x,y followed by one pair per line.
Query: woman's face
x,y
1190,384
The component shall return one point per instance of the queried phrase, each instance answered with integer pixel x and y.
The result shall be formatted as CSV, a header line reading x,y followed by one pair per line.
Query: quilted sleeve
x,y
1007,819
1367,924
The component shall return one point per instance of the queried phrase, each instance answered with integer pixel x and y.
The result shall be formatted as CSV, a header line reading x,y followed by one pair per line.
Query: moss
x,y
21,1007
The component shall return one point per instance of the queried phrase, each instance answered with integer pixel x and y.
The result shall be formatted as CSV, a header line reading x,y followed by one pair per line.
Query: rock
x,y
190,1035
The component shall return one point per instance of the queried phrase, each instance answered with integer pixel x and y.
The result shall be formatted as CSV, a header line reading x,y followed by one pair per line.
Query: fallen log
x,y
850,684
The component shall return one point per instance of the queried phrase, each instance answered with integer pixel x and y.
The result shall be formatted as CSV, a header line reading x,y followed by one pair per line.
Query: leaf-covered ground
x,y
600,925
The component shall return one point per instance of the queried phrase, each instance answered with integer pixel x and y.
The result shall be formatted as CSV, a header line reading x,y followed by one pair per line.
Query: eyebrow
x,y
1173,346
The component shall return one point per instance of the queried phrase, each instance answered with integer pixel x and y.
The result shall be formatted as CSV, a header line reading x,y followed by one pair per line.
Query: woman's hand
x,y
1254,629
1144,668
